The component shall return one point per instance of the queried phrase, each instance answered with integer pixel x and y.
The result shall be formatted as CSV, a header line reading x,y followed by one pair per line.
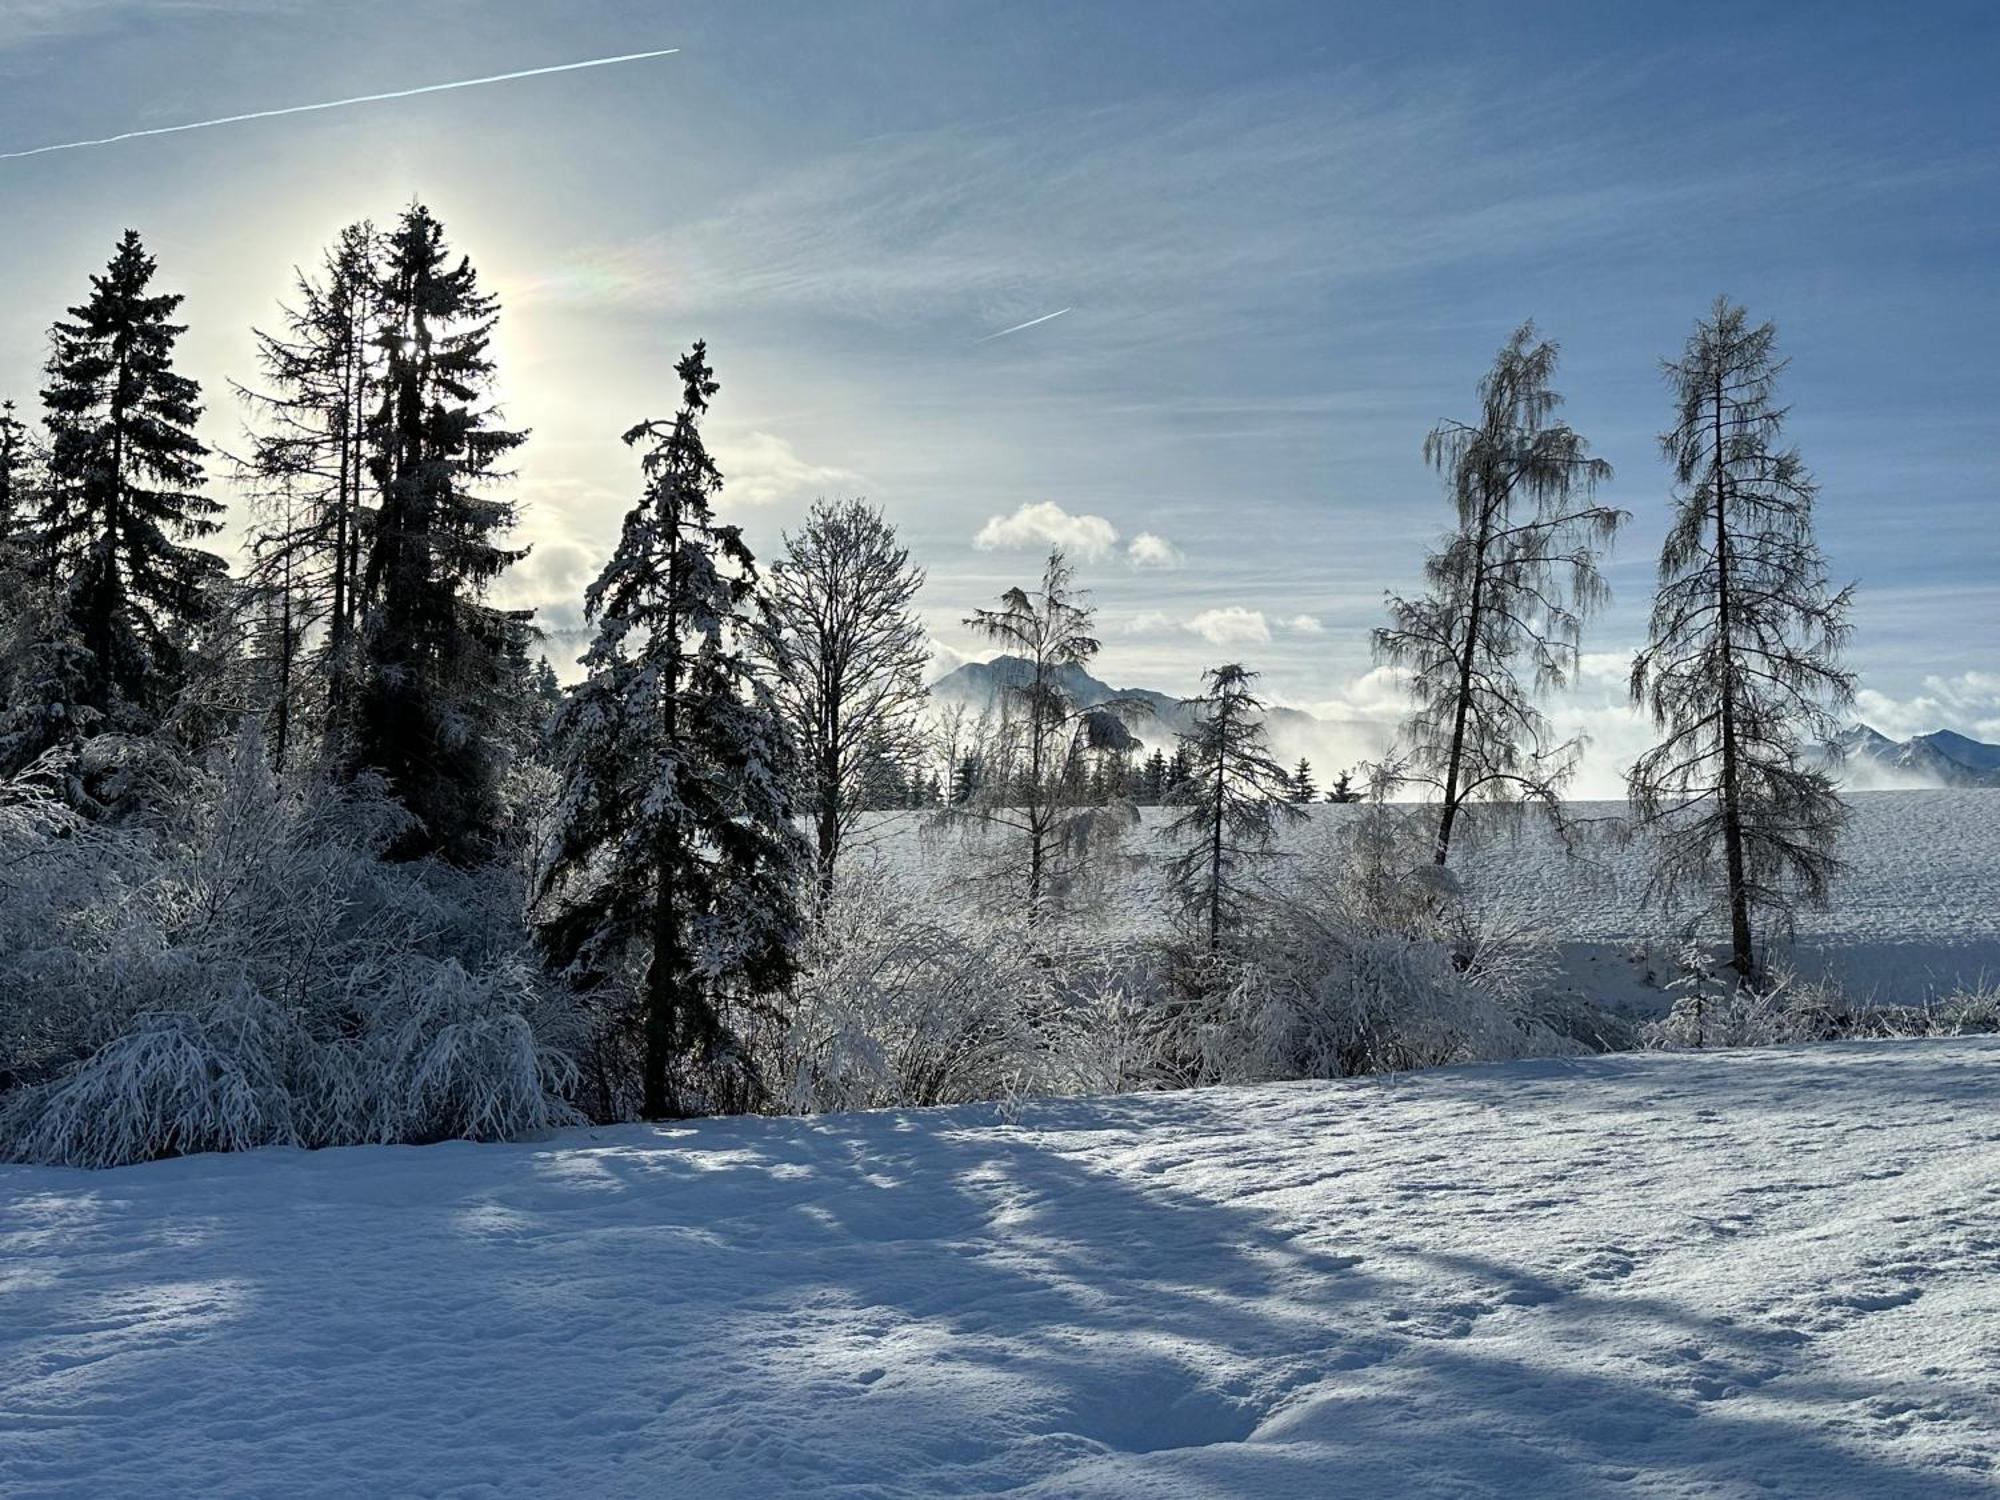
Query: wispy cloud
x,y
1148,550
1231,626
304,109
761,468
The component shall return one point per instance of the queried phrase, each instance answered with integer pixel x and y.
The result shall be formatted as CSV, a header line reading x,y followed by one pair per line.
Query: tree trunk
x,y
1742,957
1455,766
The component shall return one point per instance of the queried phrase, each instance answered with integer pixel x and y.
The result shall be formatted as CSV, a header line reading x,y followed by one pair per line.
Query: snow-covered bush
x,y
896,1007
1709,1011
251,972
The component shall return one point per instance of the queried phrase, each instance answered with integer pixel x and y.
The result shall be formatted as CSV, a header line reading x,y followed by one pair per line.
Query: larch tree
x,y
309,472
675,848
1236,798
1034,788
432,706
123,505
1743,662
1500,623
844,652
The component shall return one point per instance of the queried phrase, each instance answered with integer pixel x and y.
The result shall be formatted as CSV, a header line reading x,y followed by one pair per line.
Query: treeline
x,y
317,849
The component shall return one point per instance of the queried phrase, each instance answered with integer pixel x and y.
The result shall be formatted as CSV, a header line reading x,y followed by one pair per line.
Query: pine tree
x,y
675,845
1744,655
1180,770
1303,788
1037,795
123,497
1236,795
1343,789
1153,779
845,653
432,710
1508,592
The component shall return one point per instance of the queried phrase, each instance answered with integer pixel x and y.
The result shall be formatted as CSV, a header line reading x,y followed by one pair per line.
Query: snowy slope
x,y
1727,1275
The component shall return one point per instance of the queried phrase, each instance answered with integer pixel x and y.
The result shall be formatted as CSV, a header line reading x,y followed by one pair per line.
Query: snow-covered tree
x,y
1034,794
1509,588
674,847
13,473
1236,797
123,496
433,701
844,651
1744,656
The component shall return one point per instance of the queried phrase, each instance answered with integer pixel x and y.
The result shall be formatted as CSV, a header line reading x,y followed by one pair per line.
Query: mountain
x,y
1941,758
979,685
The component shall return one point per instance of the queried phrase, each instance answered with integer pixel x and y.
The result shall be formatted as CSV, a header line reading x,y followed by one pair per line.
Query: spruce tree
x,y
1153,779
433,711
1509,590
13,474
675,847
1235,797
123,495
1303,788
1744,656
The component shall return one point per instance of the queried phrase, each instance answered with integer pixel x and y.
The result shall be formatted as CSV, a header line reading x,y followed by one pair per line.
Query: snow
x,y
1764,1272
1916,912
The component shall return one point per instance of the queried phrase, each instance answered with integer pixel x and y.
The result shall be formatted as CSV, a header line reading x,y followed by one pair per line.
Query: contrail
x,y
305,109
1019,326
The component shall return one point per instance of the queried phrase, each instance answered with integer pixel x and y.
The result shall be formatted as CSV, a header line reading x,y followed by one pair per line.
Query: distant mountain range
x,y
979,686
1938,759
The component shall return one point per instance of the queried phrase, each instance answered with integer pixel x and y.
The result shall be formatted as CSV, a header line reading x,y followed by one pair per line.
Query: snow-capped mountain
x,y
979,685
1941,758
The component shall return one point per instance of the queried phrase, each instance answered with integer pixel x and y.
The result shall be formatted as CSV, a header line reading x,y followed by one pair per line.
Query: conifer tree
x,y
432,711
123,496
1036,795
843,648
1153,779
1304,790
1509,590
1744,656
675,848
309,468
13,474
1236,795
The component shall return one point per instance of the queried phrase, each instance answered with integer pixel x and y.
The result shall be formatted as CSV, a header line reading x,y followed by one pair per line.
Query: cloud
x,y
1046,524
1150,551
1232,626
1305,625
763,467
1145,622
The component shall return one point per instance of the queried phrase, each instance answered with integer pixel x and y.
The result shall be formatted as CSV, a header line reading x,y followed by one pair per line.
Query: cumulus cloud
x,y
1232,626
1305,625
761,468
1046,524
1150,551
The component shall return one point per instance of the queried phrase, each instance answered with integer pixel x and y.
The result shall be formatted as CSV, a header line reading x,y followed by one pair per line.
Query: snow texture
x,y
1754,1273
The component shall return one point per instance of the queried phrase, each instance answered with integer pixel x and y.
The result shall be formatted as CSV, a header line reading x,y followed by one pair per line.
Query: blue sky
x,y
1289,236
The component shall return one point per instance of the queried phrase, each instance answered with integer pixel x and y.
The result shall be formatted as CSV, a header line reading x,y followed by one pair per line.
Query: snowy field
x,y
1759,1273
1917,911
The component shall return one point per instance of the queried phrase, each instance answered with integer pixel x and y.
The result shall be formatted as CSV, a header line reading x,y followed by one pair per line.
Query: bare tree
x,y
1031,786
1237,796
1509,590
841,643
1744,658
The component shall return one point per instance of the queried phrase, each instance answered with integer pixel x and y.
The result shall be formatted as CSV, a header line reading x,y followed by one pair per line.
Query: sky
x,y
1283,241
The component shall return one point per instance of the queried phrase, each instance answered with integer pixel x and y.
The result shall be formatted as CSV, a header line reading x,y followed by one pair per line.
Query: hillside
x,y
1734,1274
1941,759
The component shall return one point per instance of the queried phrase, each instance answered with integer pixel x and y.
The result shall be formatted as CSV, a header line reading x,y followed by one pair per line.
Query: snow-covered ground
x,y
1916,911
1759,1273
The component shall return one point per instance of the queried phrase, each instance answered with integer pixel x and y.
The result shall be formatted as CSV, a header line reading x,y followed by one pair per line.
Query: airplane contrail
x,y
303,109
1019,326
